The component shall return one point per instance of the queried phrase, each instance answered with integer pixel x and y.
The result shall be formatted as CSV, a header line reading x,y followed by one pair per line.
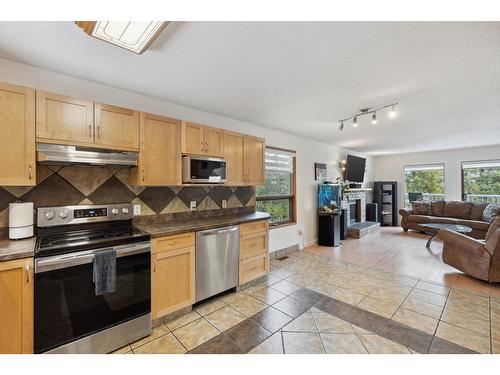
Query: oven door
x,y
199,169
66,306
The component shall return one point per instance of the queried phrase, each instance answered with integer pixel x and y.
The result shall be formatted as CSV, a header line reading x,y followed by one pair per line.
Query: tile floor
x,y
312,303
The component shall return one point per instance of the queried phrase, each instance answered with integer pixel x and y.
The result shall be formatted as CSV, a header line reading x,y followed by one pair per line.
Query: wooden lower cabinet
x,y
16,306
254,253
172,273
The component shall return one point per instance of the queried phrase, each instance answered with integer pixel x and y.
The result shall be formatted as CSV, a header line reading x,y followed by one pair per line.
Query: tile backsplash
x,y
78,185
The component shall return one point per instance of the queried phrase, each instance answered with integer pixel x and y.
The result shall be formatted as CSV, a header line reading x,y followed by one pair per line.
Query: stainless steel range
x,y
70,316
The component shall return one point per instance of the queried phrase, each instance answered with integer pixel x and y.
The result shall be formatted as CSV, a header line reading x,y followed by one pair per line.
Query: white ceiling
x,y
301,77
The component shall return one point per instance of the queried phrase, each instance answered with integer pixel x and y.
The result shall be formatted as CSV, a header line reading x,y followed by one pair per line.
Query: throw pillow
x,y
491,212
422,208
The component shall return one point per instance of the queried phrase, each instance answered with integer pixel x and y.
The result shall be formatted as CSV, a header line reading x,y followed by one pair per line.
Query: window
x,y
481,181
423,182
277,196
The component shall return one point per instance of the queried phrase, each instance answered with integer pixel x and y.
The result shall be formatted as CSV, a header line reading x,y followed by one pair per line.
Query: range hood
x,y
62,154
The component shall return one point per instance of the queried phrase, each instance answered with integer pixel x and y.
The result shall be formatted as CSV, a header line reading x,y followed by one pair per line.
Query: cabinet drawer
x,y
254,227
253,268
252,245
177,241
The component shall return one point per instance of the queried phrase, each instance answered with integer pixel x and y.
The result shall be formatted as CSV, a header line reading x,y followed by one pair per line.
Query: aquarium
x,y
329,197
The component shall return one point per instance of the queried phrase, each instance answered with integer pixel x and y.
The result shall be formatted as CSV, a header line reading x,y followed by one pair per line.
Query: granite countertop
x,y
182,226
16,249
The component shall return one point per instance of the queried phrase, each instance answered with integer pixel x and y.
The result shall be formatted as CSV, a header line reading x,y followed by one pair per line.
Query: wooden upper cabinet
x,y
253,160
160,152
202,140
233,153
116,128
65,120
193,139
17,123
16,306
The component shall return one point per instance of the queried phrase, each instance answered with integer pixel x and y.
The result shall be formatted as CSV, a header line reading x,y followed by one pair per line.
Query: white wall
x,y
308,151
390,167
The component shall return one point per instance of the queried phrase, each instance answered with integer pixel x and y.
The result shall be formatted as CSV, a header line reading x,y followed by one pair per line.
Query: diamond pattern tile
x,y
85,178
188,194
220,193
112,192
157,198
244,194
53,191
6,198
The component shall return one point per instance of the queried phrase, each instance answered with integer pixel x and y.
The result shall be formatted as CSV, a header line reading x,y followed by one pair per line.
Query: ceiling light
x,y
374,118
135,36
392,112
368,111
355,122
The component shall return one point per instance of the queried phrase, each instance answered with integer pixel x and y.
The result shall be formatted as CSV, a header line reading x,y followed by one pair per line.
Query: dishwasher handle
x,y
218,231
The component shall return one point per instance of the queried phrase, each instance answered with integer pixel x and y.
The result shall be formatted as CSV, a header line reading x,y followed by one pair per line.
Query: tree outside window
x,y
481,181
423,182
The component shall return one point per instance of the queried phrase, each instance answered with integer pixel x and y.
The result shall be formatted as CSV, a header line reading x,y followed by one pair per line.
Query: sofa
x,y
448,212
480,259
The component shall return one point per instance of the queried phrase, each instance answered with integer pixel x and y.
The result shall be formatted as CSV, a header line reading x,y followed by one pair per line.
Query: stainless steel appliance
x,y
69,316
62,154
201,169
217,259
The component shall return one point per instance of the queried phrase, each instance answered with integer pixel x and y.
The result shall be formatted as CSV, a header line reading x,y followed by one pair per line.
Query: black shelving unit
x,y
385,194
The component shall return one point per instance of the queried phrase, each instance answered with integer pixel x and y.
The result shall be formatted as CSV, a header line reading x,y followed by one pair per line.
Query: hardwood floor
x,y
404,253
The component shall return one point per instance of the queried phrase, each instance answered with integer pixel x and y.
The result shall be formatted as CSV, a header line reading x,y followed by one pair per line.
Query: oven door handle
x,y
84,257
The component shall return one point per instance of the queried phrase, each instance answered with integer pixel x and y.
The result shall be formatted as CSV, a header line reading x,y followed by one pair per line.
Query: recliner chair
x,y
477,258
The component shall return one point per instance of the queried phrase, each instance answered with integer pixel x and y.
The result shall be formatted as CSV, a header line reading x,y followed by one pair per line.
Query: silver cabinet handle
x,y
27,274
90,131
218,231
202,146
30,175
143,175
98,131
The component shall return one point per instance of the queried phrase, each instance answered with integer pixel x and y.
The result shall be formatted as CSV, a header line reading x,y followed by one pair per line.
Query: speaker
x,y
343,224
372,212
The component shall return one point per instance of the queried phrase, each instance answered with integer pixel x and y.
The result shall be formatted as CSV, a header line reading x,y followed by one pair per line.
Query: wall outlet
x,y
192,205
224,203
137,209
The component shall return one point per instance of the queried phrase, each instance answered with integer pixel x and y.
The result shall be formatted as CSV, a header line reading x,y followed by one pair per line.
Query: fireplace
x,y
354,202
354,211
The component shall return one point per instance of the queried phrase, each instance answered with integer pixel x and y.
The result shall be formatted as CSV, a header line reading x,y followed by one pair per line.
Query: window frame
x,y
292,198
462,177
423,166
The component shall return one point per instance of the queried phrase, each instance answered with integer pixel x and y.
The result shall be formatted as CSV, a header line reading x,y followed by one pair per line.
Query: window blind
x,y
424,167
279,161
481,164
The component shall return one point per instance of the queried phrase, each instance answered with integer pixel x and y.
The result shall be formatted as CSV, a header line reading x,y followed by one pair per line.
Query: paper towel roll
x,y
20,214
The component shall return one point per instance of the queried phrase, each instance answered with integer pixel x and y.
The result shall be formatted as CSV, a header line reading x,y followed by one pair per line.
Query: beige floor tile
x,y
433,288
376,344
300,279
285,287
363,287
248,305
303,323
156,332
463,337
322,287
347,296
428,297
421,307
466,321
378,307
495,303
225,318
469,297
327,323
395,287
415,320
302,343
182,320
361,331
281,273
474,311
125,350
495,329
270,280
495,349
272,345
254,288
402,280
388,296
210,306
342,344
269,295
195,333
166,344
232,297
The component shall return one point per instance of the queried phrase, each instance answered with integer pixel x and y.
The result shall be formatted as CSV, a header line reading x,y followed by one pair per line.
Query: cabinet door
x,y
64,120
193,139
116,128
160,152
233,153
214,142
17,122
16,306
173,283
253,153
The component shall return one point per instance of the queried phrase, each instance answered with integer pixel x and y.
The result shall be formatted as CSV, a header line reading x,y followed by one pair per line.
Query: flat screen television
x,y
355,169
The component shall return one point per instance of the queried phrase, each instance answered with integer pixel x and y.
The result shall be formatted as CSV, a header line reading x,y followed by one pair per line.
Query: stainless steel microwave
x,y
203,170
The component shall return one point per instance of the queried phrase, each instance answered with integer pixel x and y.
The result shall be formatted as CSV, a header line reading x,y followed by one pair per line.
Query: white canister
x,y
20,220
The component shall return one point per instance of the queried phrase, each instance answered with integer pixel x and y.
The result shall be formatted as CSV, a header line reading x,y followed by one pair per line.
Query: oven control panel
x,y
51,216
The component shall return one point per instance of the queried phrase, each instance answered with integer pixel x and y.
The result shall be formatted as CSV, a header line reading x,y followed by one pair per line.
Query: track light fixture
x,y
367,111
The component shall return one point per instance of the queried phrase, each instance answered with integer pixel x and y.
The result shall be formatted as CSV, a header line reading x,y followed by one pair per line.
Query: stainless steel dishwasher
x,y
217,258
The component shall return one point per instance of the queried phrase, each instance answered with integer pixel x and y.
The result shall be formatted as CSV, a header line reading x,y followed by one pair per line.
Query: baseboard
x,y
311,243
284,251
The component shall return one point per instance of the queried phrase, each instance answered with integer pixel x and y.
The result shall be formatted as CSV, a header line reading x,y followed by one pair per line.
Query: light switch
x,y
192,205
224,203
137,209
